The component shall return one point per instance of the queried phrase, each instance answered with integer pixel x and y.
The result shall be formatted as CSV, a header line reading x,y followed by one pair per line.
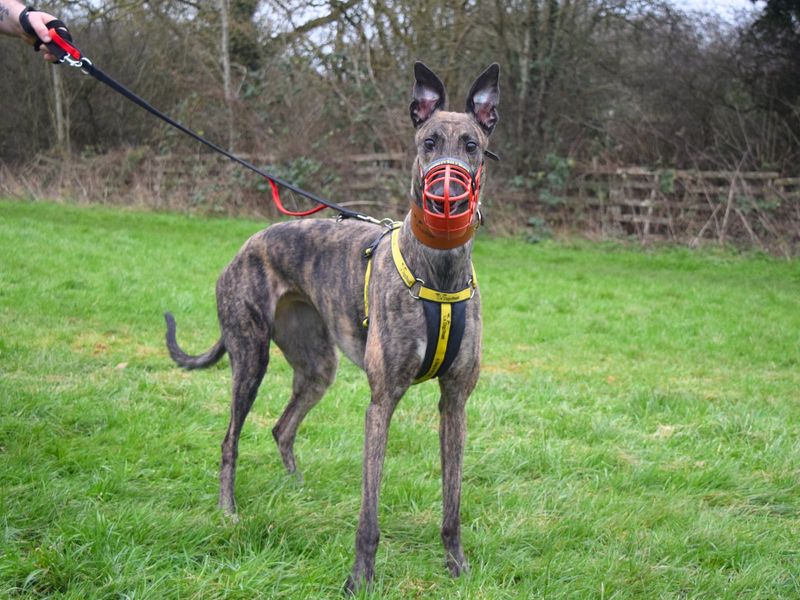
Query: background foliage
x,y
619,81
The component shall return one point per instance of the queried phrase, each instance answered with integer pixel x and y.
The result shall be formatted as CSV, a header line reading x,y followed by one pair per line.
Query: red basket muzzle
x,y
449,201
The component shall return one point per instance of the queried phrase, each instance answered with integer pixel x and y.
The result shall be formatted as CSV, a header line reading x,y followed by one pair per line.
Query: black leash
x,y
65,51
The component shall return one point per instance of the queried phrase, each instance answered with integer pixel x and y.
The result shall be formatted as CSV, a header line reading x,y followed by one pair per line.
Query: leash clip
x,y
81,63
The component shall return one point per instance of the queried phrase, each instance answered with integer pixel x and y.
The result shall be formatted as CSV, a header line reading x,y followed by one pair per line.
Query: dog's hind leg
x,y
246,323
308,347
249,359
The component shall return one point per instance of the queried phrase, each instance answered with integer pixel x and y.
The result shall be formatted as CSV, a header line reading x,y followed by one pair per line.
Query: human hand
x,y
38,23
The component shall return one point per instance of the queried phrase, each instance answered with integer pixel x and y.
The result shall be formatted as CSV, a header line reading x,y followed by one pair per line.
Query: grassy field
x,y
635,434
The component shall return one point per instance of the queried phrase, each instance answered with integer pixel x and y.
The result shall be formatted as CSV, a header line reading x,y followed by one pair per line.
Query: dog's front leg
x,y
452,433
379,415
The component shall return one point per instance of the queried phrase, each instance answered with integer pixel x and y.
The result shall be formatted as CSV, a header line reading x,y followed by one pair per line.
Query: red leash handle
x,y
276,198
64,47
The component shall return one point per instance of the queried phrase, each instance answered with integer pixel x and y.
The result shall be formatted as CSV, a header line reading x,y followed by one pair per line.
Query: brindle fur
x,y
300,284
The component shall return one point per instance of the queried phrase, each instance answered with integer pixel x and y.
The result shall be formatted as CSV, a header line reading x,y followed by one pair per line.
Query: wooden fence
x,y
761,209
667,203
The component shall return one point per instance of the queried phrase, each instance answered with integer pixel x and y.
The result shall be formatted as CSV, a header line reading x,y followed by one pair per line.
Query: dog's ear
x,y
484,97
428,95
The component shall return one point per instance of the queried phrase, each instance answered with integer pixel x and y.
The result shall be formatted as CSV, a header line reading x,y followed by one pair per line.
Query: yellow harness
x,y
443,313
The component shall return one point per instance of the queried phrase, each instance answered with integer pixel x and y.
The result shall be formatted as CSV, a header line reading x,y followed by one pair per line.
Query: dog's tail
x,y
187,361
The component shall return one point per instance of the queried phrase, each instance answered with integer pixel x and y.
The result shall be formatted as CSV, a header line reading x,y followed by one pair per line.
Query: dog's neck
x,y
443,270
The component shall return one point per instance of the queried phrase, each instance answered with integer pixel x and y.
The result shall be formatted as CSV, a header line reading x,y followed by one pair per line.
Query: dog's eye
x,y
471,146
429,144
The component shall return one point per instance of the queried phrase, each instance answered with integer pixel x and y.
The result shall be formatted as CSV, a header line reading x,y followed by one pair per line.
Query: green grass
x,y
635,433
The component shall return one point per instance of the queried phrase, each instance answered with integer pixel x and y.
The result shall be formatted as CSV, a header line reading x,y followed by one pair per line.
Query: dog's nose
x,y
442,192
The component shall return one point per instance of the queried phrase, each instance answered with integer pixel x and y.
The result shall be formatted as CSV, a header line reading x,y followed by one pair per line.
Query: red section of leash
x,y
64,44
276,198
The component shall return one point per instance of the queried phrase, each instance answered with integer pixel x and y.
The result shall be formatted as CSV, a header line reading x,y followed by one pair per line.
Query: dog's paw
x,y
457,564
352,586
228,508
230,517
358,581
298,478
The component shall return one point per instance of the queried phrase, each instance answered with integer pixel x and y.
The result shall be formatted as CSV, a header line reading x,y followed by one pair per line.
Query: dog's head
x,y
451,147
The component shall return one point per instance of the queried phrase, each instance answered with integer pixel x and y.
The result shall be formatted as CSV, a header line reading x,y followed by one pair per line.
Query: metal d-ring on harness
x,y
445,312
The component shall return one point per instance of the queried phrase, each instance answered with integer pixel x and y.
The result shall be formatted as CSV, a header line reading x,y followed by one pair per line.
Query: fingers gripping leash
x,y
61,45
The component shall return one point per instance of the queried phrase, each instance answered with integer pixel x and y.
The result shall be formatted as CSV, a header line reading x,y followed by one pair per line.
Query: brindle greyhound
x,y
301,284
